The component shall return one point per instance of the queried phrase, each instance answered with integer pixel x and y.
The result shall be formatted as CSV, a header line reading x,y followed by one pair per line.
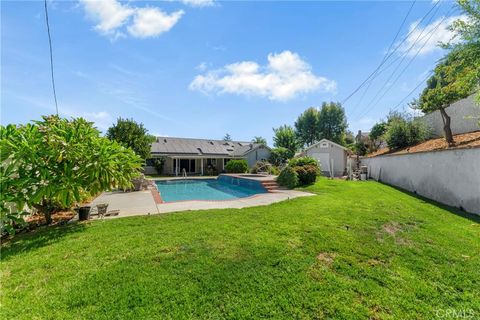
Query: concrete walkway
x,y
143,203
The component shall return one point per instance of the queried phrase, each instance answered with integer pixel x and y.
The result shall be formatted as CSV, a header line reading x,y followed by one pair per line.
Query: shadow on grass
x,y
455,211
37,238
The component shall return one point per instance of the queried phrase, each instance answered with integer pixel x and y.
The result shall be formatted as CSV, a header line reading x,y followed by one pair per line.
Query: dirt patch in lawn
x,y
326,258
395,230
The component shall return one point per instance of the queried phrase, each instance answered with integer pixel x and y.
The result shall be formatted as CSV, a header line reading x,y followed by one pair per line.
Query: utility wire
x,y
429,36
51,57
388,57
386,53
413,90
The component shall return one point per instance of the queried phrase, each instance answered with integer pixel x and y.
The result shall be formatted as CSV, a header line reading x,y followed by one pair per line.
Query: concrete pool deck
x,y
143,202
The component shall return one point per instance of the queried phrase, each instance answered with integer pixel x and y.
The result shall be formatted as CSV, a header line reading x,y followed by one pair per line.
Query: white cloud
x,y
101,119
151,22
198,3
111,16
425,39
201,67
285,76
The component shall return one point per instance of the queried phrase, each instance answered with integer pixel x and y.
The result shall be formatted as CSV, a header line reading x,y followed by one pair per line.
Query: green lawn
x,y
356,250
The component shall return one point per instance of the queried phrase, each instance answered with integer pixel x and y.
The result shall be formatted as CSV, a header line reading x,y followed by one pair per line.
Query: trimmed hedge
x,y
236,166
302,161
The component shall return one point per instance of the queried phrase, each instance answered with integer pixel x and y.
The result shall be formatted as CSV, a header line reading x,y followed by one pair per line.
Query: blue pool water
x,y
223,188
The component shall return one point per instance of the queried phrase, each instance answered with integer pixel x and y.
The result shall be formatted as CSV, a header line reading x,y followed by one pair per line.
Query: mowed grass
x,y
356,250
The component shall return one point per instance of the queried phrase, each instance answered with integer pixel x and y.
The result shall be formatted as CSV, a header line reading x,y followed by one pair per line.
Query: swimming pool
x,y
222,188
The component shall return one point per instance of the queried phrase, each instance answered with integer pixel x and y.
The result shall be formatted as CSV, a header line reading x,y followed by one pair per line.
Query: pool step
x,y
270,185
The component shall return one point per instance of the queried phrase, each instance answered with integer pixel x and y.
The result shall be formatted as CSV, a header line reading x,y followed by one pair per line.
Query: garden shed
x,y
331,156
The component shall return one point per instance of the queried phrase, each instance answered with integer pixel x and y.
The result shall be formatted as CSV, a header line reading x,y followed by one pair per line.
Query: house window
x,y
212,162
324,145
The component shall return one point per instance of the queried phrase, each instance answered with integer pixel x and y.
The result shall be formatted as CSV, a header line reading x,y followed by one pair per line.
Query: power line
x,y
387,52
391,54
51,57
429,36
414,89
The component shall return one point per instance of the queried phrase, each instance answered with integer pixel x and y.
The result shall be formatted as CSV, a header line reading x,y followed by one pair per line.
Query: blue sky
x,y
200,68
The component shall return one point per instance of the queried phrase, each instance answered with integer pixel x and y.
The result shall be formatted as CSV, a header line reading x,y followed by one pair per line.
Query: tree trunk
x,y
446,127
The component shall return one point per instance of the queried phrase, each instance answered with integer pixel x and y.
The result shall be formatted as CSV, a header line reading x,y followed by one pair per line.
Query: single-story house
x,y
202,156
329,155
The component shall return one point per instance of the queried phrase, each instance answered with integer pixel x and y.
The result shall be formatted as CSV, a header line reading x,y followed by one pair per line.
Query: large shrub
x,y
307,169
403,132
303,161
236,166
55,163
280,156
288,178
307,174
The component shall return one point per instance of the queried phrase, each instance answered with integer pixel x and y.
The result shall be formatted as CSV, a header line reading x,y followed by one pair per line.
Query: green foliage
x,y
454,78
403,132
227,137
307,174
236,166
332,122
288,178
280,156
377,132
159,163
284,137
307,127
307,169
259,140
349,138
360,148
55,163
131,134
303,161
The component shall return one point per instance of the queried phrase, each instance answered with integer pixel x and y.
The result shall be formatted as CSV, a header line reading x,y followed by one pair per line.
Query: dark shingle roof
x,y
188,146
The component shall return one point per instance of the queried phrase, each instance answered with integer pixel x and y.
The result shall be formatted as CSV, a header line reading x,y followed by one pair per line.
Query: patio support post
x,y
201,166
176,167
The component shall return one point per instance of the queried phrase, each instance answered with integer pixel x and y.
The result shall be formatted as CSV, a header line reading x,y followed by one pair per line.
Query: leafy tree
x,y
131,134
55,163
349,138
457,75
227,137
259,140
332,122
284,137
403,131
360,148
307,127
280,156
377,132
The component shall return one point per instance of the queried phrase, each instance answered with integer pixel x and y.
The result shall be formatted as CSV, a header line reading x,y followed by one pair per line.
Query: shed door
x,y
324,159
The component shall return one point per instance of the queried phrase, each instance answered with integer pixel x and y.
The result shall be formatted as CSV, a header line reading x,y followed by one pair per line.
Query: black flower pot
x,y
84,213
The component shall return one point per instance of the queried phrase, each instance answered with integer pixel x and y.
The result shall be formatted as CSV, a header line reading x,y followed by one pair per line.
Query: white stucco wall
x,y
462,113
451,177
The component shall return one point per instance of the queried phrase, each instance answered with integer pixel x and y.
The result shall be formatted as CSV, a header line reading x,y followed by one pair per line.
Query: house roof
x,y
326,140
207,147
